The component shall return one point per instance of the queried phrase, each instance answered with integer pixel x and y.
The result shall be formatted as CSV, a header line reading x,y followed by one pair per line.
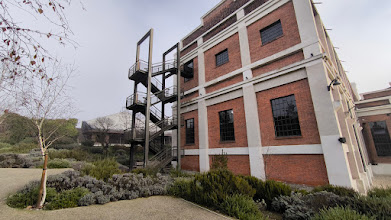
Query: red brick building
x,y
374,112
265,92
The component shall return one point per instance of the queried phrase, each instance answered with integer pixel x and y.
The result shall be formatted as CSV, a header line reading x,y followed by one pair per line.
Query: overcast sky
x,y
109,30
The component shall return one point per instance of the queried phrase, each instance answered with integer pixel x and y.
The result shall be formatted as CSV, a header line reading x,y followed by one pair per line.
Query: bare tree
x,y
47,104
22,53
104,125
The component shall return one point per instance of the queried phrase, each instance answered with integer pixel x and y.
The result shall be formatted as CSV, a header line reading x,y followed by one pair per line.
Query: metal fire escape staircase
x,y
148,136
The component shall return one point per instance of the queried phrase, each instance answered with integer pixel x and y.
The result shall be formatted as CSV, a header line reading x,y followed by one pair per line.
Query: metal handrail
x,y
162,155
141,99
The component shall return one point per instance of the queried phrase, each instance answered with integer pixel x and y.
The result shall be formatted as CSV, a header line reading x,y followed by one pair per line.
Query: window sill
x,y
288,137
272,40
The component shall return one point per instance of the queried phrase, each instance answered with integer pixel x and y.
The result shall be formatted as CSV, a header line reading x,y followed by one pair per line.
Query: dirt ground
x,y
157,207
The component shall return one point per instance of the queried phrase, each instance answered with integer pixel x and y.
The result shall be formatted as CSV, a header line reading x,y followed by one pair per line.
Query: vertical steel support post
x,y
178,57
148,108
163,95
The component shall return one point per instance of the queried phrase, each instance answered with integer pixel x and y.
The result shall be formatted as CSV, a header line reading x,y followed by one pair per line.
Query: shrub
x,y
76,154
241,207
67,199
5,145
299,206
337,190
179,173
182,188
88,143
380,192
220,161
29,197
371,206
58,163
146,171
103,169
211,188
340,213
21,148
15,161
268,190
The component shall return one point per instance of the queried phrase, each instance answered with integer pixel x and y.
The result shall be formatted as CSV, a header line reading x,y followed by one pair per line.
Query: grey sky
x,y
109,30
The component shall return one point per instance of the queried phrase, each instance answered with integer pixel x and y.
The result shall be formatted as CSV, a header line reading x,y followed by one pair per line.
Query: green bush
x,y
179,173
102,169
380,192
146,171
371,206
21,148
29,140
340,213
182,188
212,188
59,163
77,154
268,190
337,190
220,161
5,145
22,200
88,143
67,199
241,207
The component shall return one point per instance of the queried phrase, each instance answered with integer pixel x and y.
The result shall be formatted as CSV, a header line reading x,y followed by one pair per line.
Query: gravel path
x,y
157,207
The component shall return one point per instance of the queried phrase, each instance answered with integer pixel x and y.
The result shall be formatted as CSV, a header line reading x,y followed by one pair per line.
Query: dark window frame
x,y
222,57
187,64
285,117
227,128
382,142
189,131
271,32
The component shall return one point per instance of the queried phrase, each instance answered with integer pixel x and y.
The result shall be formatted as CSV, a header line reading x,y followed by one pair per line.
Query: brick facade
x,y
189,97
377,94
373,104
211,70
290,37
239,124
238,164
298,169
224,83
278,64
305,110
191,163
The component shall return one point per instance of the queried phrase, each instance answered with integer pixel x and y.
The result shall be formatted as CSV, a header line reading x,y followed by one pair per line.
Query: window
x,y
189,69
381,138
222,57
227,125
286,120
271,32
190,131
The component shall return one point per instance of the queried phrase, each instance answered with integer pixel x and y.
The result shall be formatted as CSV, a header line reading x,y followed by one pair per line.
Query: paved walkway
x,y
157,207
382,181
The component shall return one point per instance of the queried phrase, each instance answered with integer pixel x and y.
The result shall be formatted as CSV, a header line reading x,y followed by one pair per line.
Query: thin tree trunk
x,y
42,189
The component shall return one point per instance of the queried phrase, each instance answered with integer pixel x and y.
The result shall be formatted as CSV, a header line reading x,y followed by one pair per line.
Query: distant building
x,y
374,112
117,126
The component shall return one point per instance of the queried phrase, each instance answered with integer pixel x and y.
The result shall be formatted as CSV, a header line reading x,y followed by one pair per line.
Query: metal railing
x,y
140,98
143,66
168,92
161,158
162,125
